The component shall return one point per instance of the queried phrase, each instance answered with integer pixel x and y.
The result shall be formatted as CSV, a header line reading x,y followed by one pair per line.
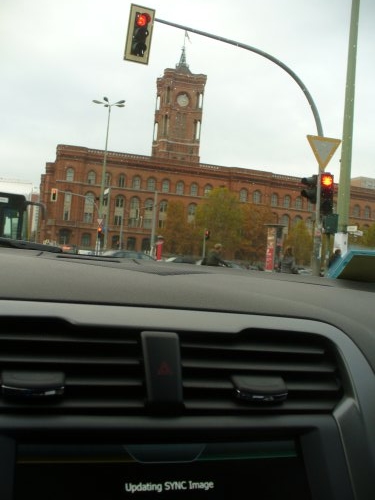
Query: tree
x,y
300,239
221,213
368,238
254,232
179,235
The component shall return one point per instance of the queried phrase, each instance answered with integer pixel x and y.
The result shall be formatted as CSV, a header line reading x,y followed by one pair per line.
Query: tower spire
x,y
182,65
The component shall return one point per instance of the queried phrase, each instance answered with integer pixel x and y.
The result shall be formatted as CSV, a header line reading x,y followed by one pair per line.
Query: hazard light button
x,y
162,363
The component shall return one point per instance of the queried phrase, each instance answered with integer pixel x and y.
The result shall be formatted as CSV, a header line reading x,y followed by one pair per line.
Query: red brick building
x,y
135,183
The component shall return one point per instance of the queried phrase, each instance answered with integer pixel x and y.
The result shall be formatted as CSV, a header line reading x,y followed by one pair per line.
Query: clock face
x,y
182,100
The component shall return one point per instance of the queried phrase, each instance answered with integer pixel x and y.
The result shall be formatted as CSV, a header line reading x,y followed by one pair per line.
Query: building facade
x,y
136,184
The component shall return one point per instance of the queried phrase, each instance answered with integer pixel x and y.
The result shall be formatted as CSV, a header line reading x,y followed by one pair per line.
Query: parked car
x,y
304,270
182,259
127,254
234,265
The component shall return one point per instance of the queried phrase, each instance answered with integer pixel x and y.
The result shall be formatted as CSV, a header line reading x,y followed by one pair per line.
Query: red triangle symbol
x,y
164,369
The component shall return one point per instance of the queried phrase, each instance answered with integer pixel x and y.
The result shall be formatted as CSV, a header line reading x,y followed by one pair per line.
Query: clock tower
x,y
178,114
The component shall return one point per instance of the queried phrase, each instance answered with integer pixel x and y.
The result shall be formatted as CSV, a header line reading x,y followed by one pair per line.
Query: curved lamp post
x,y
106,104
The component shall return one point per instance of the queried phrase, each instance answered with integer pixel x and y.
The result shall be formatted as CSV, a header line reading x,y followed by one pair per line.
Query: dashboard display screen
x,y
213,471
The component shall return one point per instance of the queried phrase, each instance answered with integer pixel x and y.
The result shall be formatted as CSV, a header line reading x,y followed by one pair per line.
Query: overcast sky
x,y
57,56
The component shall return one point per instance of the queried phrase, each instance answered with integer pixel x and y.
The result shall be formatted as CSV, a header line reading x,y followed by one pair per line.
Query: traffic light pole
x,y
317,245
316,261
261,53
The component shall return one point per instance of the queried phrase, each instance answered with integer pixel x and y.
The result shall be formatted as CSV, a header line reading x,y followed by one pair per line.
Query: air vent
x,y
99,370
306,363
102,367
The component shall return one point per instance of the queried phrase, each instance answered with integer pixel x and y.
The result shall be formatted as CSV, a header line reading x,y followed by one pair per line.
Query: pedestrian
x,y
214,257
288,263
334,257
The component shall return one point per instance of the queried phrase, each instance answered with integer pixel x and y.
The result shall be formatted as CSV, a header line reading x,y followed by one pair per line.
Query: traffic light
x,y
207,234
54,193
330,223
310,191
326,194
100,233
138,39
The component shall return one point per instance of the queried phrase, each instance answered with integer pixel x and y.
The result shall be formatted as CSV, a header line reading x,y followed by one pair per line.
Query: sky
x,y
57,56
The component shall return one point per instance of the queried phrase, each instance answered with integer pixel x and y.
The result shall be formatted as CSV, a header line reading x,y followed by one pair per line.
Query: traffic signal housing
x,y
100,233
138,38
54,193
310,192
326,193
207,234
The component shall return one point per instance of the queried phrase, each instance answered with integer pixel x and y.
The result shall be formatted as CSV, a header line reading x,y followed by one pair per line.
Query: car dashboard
x,y
136,379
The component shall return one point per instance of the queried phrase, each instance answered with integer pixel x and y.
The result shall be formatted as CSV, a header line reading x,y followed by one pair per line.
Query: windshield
x,y
161,131
187,250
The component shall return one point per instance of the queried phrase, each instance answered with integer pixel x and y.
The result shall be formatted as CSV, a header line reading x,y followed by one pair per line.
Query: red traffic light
x,y
327,180
142,19
138,38
326,194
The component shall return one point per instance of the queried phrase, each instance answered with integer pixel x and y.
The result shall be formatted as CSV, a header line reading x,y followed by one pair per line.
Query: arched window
x,y
121,181
86,240
117,220
65,236
70,174
163,206
310,206
91,177
130,244
243,195
119,201
165,186
194,189
151,184
274,200
257,197
298,203
136,182
296,219
207,189
285,220
287,200
67,205
134,212
88,210
148,213
146,244
367,213
180,187
118,216
356,211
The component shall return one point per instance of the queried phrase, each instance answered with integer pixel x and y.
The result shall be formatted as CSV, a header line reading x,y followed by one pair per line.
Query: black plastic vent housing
x,y
104,373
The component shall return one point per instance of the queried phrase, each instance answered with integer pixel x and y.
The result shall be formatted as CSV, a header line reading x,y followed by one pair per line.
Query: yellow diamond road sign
x,y
323,148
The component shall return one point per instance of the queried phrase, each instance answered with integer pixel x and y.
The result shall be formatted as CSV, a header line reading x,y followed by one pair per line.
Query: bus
x,y
15,215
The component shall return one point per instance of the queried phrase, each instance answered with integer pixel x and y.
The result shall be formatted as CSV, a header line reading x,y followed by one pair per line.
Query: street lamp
x,y
106,104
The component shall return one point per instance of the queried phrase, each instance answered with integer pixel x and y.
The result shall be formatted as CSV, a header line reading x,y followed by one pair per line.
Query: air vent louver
x,y
306,362
102,366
